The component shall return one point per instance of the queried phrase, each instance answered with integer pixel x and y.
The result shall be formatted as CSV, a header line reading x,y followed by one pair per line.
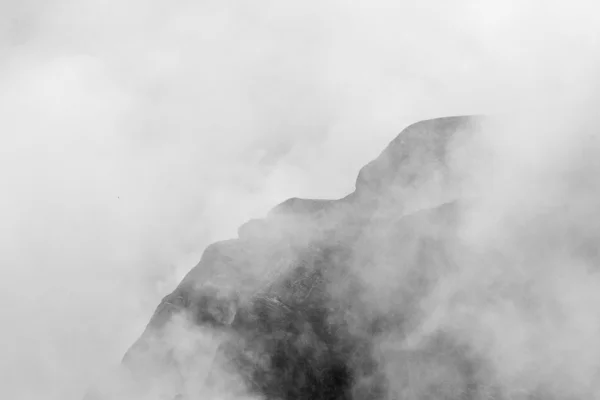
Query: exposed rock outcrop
x,y
299,301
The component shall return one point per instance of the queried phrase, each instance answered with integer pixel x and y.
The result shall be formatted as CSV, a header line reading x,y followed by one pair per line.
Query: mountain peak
x,y
294,289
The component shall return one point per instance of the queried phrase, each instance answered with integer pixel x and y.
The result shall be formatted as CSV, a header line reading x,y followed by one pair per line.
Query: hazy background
x,y
134,133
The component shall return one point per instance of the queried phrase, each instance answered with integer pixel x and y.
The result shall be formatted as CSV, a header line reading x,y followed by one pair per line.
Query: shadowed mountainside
x,y
295,306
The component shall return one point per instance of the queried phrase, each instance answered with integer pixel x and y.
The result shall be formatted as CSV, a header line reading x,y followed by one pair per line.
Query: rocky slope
x,y
319,299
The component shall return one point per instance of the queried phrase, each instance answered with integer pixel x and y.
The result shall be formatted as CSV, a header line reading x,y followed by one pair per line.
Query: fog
x,y
136,133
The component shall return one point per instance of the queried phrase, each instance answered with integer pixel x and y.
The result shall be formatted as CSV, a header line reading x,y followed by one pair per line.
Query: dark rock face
x,y
309,355
300,314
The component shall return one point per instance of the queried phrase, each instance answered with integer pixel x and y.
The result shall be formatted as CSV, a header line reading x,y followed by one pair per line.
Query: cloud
x,y
134,134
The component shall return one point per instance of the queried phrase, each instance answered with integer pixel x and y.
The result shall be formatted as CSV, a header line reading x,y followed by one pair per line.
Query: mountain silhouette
x,y
299,306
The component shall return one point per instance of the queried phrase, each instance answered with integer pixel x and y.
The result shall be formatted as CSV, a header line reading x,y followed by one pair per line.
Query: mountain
x,y
323,299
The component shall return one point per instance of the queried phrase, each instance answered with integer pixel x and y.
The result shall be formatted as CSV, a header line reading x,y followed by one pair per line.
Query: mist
x,y
136,133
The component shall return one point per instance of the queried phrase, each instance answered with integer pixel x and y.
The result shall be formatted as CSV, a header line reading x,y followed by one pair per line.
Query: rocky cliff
x,y
318,300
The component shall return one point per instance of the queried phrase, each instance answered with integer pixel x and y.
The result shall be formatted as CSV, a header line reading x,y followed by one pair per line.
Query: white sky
x,y
133,133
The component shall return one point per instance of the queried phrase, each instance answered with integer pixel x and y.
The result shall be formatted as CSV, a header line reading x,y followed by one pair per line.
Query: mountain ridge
x,y
382,221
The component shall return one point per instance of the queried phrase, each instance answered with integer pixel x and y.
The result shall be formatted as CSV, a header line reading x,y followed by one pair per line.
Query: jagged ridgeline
x,y
300,306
